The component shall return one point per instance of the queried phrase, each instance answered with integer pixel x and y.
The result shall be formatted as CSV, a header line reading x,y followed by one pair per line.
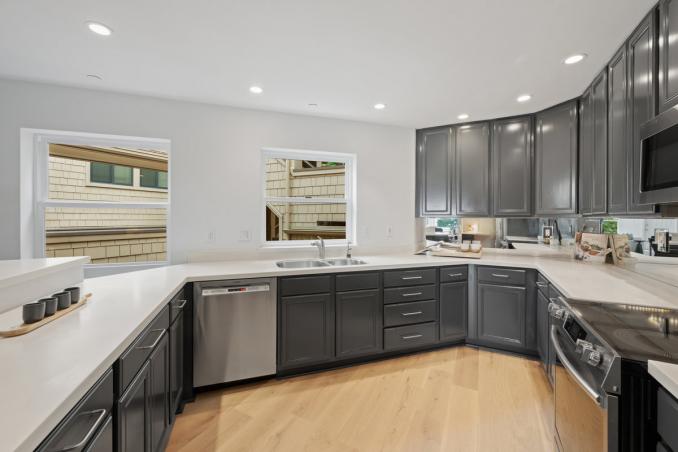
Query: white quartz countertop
x,y
666,374
46,372
16,271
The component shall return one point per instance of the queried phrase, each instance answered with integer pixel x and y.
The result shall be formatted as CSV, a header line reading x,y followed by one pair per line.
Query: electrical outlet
x,y
244,236
211,236
389,232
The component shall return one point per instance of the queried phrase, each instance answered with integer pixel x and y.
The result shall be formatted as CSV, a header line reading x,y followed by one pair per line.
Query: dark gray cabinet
x,y
134,428
359,323
103,440
501,315
585,152
472,170
453,312
306,335
641,103
543,329
556,160
617,184
177,339
599,165
512,167
668,54
435,163
159,394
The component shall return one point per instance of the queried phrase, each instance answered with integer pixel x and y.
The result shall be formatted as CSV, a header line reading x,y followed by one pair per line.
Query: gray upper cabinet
x,y
512,167
617,186
472,170
641,103
585,152
668,54
435,158
599,168
556,160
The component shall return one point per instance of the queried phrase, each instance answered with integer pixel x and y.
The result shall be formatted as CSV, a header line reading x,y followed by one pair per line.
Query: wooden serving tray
x,y
23,328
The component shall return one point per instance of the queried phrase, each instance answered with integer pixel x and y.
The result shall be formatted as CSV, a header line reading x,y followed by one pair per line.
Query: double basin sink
x,y
311,263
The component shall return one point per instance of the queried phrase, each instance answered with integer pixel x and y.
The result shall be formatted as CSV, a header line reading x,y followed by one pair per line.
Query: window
x,y
307,195
91,200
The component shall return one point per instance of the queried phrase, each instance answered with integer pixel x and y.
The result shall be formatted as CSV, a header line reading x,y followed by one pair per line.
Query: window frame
x,y
41,139
349,200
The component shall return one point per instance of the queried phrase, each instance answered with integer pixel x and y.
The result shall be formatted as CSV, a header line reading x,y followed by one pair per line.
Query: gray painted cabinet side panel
x,y
668,54
617,123
599,94
512,167
472,167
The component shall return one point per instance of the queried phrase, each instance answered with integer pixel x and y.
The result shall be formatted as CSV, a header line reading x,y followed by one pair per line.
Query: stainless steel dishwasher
x,y
235,330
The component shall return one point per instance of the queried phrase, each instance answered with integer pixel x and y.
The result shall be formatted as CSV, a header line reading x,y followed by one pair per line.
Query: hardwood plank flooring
x,y
455,399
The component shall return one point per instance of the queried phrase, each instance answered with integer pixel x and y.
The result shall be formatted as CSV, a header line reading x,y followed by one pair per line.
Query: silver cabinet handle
x,y
155,342
412,294
411,313
497,275
454,275
405,278
181,306
414,336
102,415
541,284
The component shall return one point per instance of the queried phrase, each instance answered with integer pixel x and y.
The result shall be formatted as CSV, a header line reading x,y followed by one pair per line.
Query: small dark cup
x,y
75,294
50,305
63,300
34,312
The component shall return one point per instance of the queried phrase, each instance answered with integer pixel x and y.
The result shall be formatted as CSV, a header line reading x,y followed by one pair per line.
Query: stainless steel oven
x,y
659,159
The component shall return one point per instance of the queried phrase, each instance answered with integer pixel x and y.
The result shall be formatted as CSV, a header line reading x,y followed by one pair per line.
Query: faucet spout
x,y
321,247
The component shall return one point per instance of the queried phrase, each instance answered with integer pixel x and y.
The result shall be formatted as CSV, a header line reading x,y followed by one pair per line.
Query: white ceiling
x,y
428,61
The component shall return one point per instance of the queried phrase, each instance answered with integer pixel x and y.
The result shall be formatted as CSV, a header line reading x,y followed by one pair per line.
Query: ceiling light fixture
x,y
379,106
463,116
256,90
99,28
574,59
524,98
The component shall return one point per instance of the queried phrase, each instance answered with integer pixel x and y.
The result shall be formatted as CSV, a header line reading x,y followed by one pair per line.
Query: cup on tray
x,y
33,312
63,300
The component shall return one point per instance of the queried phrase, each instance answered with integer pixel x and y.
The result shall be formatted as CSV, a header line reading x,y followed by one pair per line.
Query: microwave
x,y
659,159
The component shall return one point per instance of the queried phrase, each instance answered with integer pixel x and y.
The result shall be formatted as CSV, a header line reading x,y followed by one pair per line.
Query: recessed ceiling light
x,y
256,89
379,106
94,76
524,98
574,59
463,116
99,28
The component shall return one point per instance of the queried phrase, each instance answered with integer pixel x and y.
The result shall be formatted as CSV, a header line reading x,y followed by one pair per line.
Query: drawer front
x,y
543,285
500,275
305,285
667,418
402,337
134,357
81,425
399,278
178,304
407,313
357,281
405,294
452,274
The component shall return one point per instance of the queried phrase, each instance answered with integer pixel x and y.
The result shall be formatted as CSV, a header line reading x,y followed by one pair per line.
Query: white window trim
x,y
136,182
36,143
350,164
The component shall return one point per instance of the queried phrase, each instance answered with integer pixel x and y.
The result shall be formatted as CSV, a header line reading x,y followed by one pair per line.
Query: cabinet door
x,y
585,152
176,364
359,323
512,167
434,171
473,170
133,411
641,98
668,54
501,314
543,328
556,160
306,330
103,441
599,168
453,302
617,124
159,396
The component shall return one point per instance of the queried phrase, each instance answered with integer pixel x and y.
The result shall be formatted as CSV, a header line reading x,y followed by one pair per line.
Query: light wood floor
x,y
456,399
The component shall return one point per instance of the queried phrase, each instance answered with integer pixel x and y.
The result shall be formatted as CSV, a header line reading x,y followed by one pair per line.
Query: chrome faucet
x,y
348,249
320,243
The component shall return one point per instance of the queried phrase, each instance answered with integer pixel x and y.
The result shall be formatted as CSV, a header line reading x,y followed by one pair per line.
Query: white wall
x,y
215,162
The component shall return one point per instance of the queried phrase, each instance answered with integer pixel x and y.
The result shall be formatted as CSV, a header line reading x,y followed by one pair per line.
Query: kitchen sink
x,y
345,261
306,263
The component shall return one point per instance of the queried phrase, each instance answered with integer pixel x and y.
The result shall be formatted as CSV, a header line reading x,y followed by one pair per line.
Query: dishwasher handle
x,y
235,290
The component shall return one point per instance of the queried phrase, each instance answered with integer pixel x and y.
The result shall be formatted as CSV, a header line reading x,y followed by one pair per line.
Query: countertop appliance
x,y
235,330
659,159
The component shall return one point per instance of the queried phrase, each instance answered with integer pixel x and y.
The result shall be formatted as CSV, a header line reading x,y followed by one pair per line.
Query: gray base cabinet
x,y
176,332
359,323
453,312
133,414
543,327
501,314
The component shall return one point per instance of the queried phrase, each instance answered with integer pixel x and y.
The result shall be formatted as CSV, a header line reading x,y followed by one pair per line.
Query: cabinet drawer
x,y
357,281
667,418
451,274
501,275
178,304
402,337
83,423
305,285
543,285
407,313
404,294
134,357
399,278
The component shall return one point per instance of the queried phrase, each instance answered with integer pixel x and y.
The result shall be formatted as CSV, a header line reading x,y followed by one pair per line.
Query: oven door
x,y
583,421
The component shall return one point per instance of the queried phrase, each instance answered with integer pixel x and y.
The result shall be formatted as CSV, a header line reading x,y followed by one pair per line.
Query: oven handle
x,y
571,370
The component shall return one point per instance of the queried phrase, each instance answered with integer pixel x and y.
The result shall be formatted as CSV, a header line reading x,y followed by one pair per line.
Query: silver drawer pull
x,y
102,415
413,294
454,275
497,275
541,284
411,313
414,336
181,306
405,278
155,342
